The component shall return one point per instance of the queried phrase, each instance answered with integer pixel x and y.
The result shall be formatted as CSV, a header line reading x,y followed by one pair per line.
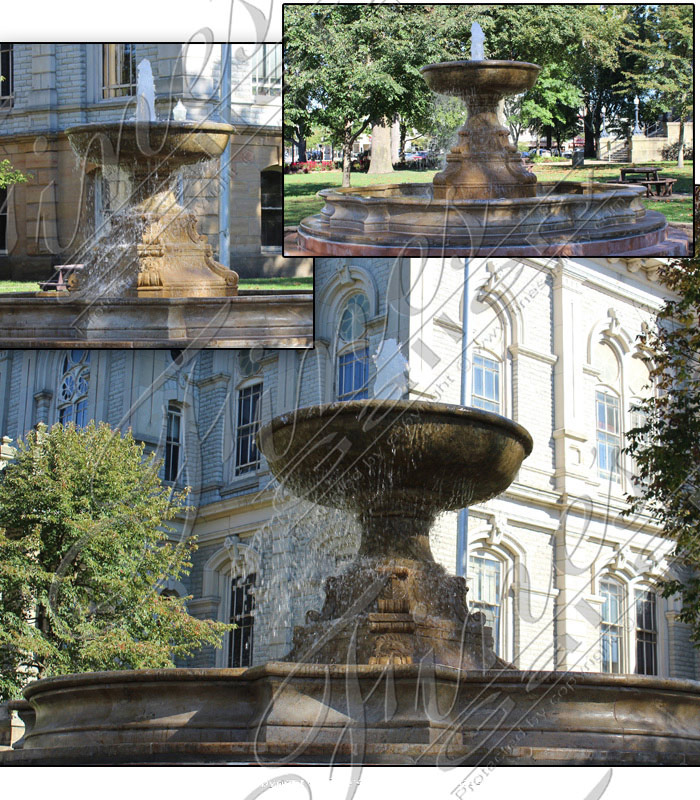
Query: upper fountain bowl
x,y
169,144
464,78
377,453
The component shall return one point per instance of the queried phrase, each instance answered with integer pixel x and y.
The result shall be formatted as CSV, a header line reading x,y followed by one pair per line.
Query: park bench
x,y
664,186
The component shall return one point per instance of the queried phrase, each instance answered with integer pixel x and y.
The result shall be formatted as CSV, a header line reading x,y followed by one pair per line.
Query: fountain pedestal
x,y
153,248
484,164
400,465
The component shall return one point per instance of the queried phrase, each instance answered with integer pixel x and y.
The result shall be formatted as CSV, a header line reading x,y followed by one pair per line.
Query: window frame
x,y
653,632
247,430
269,85
273,214
244,617
171,474
349,356
74,368
4,212
482,401
603,436
619,625
104,87
7,98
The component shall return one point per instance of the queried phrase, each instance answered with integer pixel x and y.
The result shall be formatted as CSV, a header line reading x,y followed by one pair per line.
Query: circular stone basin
x,y
465,78
277,711
565,218
359,454
170,143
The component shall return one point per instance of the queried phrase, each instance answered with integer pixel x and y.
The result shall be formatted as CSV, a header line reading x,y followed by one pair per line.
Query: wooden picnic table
x,y
651,173
649,178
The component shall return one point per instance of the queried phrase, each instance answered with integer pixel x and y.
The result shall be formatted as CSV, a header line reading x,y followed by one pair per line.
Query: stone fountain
x,y
393,669
152,280
485,202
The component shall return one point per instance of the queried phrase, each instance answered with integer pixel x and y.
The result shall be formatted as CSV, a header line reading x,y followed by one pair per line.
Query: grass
x,y
257,284
300,190
18,286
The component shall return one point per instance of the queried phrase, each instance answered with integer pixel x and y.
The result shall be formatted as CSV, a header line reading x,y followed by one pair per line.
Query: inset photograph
x,y
488,130
141,198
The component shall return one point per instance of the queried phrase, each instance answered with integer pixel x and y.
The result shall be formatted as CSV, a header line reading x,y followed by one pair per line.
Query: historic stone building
x,y
564,580
46,88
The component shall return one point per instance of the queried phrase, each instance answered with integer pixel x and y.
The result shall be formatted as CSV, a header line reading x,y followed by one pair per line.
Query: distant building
x,y
564,581
49,87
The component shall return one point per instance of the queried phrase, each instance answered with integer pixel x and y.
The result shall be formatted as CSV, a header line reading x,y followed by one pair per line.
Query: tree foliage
x,y
667,447
84,551
9,175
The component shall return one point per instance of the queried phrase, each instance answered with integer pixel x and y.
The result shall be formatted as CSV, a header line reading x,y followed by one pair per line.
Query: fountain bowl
x,y
170,145
361,453
464,78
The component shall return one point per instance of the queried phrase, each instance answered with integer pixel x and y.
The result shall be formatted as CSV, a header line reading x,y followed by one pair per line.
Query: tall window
x,y
486,593
271,219
353,360
3,219
267,76
173,443
118,70
7,84
73,390
240,650
608,435
646,633
486,389
612,627
248,419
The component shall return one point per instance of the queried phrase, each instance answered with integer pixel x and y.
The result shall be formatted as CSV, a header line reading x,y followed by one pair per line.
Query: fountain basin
x,y
278,712
63,319
465,79
563,219
149,146
399,454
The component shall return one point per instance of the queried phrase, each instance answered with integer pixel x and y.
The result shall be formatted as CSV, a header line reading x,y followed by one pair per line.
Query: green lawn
x,y
18,286
300,190
257,284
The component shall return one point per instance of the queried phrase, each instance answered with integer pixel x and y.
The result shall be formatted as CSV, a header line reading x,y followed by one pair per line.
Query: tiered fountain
x,y
393,669
485,202
151,280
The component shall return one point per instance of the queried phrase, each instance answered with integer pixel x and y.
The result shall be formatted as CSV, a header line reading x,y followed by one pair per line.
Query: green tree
x,y
663,60
666,447
351,66
8,174
84,550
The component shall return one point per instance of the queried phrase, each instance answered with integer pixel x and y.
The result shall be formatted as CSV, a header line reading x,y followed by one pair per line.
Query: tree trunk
x,y
348,140
380,159
681,141
301,148
589,136
402,143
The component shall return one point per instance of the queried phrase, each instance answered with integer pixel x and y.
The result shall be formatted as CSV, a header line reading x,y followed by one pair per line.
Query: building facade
x,y
46,88
563,579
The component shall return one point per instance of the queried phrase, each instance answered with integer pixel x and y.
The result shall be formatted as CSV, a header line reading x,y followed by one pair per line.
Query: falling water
x,y
477,53
145,93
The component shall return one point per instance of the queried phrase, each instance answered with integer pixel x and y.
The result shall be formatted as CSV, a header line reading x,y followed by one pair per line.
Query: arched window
x,y
486,383
612,628
485,595
73,388
240,639
271,217
353,350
